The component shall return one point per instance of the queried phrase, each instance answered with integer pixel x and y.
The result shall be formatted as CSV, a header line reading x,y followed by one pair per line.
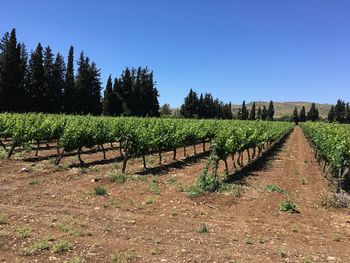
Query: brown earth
x,y
134,223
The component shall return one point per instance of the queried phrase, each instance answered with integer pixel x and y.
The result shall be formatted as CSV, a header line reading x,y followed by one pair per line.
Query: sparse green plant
x,y
37,247
288,206
122,257
171,180
64,228
202,229
75,260
303,181
179,188
83,170
275,188
149,201
3,219
308,259
3,154
281,252
117,177
336,237
262,240
153,187
23,232
194,191
34,182
249,241
100,190
61,246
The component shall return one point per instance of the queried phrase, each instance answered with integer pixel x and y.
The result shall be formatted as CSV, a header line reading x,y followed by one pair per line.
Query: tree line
x,y
260,114
44,82
205,106
340,112
302,116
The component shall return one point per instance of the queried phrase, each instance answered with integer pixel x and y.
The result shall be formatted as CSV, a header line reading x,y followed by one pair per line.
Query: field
x,y
86,210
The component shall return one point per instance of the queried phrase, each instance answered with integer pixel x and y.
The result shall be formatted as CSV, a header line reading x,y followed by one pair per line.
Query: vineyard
x,y
123,189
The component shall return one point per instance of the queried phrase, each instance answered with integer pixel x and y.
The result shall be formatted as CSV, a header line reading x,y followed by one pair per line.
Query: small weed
x,y
171,180
202,229
61,246
34,182
336,237
303,181
295,229
122,257
3,219
153,187
180,188
75,260
149,201
83,170
100,190
288,206
308,260
64,228
281,252
116,177
23,232
249,241
3,154
37,247
275,188
235,189
262,240
194,191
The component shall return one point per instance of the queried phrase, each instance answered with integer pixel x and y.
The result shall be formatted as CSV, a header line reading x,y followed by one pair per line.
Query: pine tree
x,y
37,80
108,98
264,114
259,114
312,115
302,115
295,117
68,93
331,114
252,112
244,112
270,111
11,74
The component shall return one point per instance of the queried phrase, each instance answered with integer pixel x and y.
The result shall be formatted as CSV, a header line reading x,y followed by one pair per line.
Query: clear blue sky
x,y
283,50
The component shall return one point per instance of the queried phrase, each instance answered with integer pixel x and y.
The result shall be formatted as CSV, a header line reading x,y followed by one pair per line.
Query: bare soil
x,y
149,218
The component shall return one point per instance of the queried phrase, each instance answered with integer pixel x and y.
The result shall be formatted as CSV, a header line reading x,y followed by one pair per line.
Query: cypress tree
x,y
264,114
108,98
11,74
58,84
244,112
312,115
331,114
302,115
270,111
48,81
126,92
68,93
94,90
259,114
190,105
37,80
295,117
252,112
347,113
118,102
339,111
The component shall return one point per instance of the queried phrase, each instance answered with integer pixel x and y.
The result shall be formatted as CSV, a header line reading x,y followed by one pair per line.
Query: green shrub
x,y
100,190
288,206
61,246
203,229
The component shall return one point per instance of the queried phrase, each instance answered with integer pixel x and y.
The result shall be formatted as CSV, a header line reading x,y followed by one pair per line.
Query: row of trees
x,y
133,94
260,114
205,106
43,82
312,115
340,112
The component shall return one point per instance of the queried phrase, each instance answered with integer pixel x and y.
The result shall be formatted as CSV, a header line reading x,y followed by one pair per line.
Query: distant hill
x,y
286,108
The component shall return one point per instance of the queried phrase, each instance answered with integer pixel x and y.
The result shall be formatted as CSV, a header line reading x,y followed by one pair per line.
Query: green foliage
x,y
313,114
35,248
275,188
23,232
61,246
203,229
117,177
3,219
100,190
288,206
153,187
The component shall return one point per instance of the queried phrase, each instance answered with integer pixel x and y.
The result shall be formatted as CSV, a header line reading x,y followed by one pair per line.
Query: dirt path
x,y
138,224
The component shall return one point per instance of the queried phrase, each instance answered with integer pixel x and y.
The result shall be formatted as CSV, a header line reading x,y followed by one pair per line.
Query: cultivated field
x,y
92,212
